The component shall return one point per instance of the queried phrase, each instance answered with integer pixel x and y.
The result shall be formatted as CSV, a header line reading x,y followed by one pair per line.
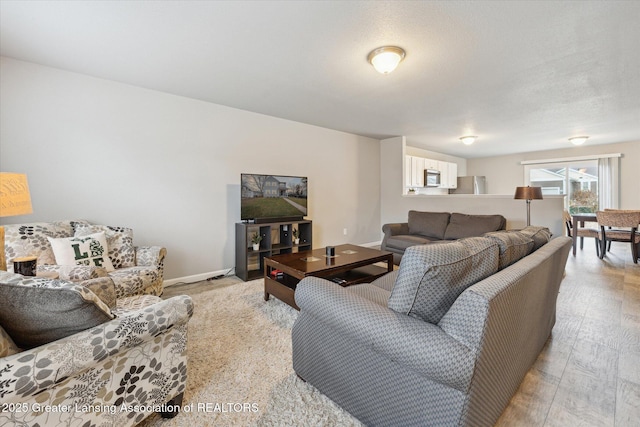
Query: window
x,y
590,184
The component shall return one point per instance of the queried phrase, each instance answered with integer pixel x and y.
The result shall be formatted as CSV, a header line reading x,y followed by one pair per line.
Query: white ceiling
x,y
523,76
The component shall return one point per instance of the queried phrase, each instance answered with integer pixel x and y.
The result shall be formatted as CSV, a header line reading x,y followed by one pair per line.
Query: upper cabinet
x,y
414,172
448,174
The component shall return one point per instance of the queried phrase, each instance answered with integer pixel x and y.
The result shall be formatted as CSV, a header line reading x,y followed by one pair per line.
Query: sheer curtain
x,y
608,185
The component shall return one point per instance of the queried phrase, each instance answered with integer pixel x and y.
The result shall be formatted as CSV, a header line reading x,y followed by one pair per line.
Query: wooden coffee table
x,y
351,265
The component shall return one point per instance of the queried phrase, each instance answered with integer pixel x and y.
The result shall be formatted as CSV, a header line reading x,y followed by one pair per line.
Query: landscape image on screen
x,y
273,196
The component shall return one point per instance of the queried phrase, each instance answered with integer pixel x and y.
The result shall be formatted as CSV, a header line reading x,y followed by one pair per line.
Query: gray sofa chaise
x,y
445,340
428,227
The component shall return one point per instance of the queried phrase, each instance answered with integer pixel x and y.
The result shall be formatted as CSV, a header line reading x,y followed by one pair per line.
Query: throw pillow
x,y
119,240
539,235
463,225
428,224
35,311
431,277
513,246
88,250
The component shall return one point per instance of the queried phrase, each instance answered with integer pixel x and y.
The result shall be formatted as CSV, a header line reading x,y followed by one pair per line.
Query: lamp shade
x,y
14,194
528,193
385,59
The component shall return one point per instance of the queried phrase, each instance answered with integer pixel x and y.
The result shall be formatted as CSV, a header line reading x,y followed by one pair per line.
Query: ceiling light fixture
x,y
468,140
578,140
385,59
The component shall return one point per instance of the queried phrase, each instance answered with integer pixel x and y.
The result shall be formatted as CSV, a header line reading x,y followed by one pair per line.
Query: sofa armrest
x,y
150,255
393,229
423,347
32,371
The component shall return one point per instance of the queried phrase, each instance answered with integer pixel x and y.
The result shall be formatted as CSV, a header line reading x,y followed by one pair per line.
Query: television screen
x,y
272,197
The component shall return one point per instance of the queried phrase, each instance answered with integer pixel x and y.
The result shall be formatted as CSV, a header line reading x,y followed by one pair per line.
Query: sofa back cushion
x,y
539,235
463,225
429,224
513,246
432,276
30,239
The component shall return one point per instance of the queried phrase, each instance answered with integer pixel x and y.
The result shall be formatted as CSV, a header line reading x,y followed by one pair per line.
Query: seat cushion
x,y
513,246
403,241
371,292
428,224
432,276
540,235
36,311
463,225
133,280
126,305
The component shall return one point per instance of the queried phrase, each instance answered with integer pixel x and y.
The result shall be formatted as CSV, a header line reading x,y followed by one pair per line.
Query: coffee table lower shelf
x,y
284,288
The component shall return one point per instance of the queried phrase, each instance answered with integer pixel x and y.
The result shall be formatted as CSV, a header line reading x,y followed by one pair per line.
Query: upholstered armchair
x,y
135,270
70,356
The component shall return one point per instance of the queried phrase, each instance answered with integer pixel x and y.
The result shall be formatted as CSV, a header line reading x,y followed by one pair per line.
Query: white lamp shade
x,y
386,59
468,140
578,140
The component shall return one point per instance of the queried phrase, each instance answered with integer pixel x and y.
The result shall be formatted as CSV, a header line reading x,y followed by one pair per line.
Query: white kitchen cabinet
x,y
417,170
448,174
408,172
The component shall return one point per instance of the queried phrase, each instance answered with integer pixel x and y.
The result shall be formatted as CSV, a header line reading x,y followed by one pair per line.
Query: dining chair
x,y
617,218
581,232
619,210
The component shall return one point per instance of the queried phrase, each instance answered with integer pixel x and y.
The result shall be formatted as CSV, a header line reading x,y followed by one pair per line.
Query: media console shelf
x,y
277,238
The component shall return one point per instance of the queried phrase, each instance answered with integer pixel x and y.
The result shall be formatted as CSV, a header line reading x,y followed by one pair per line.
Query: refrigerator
x,y
470,185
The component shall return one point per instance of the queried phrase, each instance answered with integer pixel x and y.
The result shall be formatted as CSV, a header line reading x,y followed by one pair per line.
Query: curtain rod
x,y
571,159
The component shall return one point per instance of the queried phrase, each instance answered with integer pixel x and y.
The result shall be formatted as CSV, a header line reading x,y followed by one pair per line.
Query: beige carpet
x,y
239,367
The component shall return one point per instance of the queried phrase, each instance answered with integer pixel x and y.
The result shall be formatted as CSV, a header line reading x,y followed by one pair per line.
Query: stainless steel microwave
x,y
431,178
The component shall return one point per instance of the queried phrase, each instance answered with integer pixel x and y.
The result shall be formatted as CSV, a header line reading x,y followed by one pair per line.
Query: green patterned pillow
x,y
36,311
119,240
87,250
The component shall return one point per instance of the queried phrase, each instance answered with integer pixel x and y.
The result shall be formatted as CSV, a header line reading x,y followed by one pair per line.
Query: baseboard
x,y
194,278
370,244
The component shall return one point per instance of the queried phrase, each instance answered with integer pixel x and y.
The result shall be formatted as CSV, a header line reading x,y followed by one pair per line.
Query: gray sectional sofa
x,y
428,227
445,340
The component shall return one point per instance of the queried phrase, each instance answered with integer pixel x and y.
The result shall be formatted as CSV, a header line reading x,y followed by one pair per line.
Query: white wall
x,y
169,166
505,173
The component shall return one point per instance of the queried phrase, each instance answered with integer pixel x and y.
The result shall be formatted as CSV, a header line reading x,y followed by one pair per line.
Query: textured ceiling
x,y
523,76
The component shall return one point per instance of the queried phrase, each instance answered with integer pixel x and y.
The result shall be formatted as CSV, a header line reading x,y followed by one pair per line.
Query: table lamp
x,y
14,200
528,193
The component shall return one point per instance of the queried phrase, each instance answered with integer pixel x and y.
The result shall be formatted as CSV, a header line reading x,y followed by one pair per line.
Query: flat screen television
x,y
272,198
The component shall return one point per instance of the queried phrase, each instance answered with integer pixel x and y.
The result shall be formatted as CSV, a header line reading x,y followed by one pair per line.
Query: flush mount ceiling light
x,y
385,59
578,140
468,140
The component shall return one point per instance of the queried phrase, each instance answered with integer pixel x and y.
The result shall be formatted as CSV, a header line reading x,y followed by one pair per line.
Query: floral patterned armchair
x,y
113,374
138,270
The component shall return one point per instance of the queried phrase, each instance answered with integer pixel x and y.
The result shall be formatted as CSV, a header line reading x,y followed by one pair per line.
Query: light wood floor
x,y
589,372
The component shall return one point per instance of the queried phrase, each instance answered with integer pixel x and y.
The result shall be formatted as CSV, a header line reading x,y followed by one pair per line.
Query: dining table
x,y
578,221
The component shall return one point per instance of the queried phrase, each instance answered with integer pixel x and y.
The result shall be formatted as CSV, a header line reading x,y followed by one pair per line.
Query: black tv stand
x,y
277,238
